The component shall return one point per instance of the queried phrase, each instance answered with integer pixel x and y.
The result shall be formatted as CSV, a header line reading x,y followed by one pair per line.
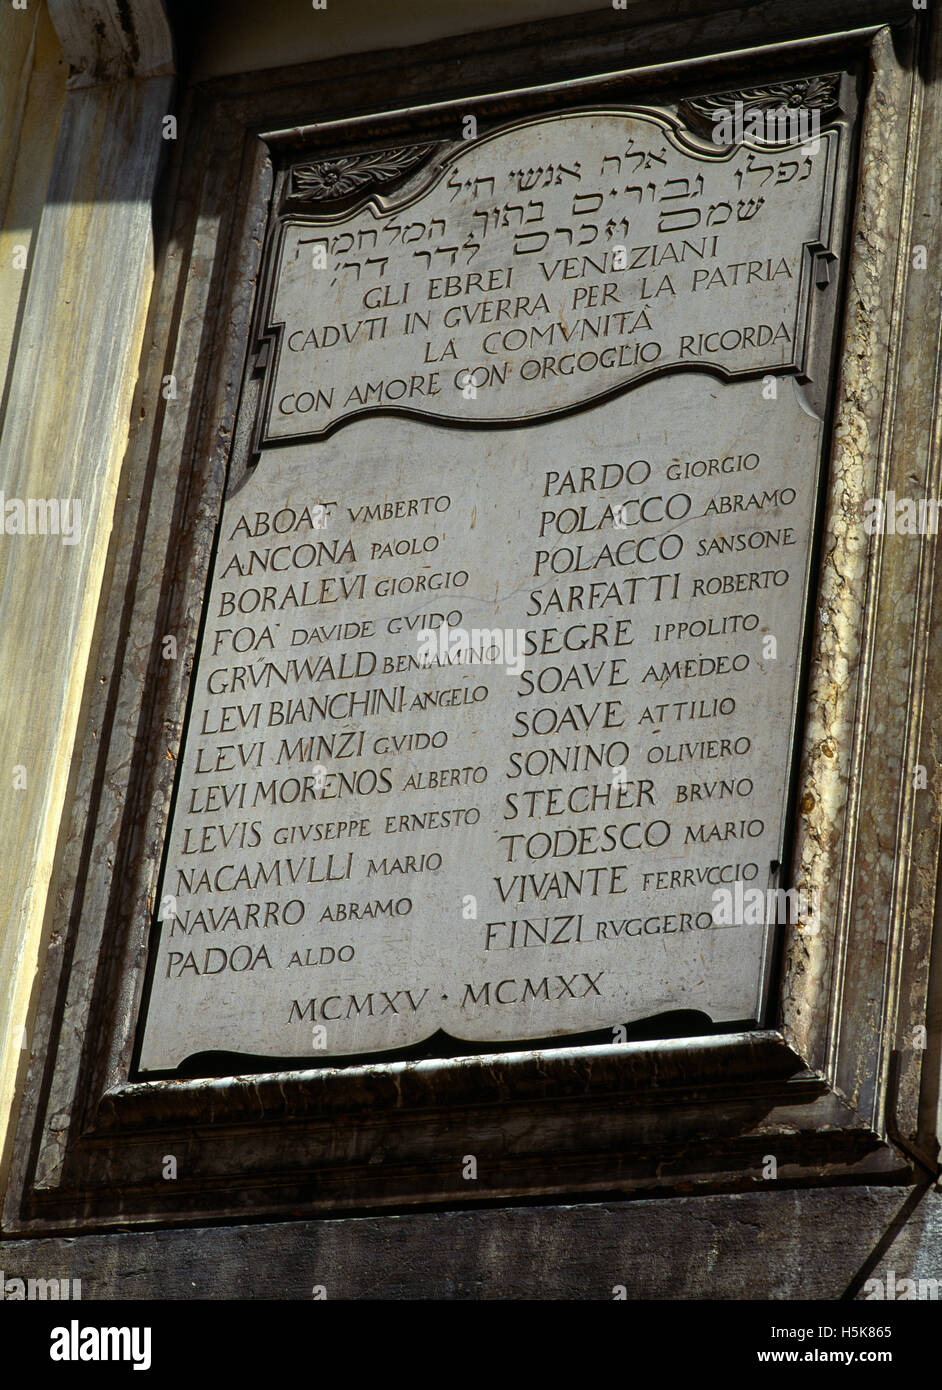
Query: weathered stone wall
x,y
812,1244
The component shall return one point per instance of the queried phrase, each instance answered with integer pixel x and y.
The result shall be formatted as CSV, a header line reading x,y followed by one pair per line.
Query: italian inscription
x,y
483,717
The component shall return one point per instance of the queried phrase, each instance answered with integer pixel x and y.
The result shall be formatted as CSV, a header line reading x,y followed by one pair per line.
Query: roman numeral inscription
x,y
497,691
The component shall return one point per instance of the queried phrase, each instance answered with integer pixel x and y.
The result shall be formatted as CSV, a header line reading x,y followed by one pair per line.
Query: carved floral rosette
x,y
341,176
818,96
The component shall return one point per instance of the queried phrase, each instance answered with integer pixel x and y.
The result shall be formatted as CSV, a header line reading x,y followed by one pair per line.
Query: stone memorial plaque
x,y
499,672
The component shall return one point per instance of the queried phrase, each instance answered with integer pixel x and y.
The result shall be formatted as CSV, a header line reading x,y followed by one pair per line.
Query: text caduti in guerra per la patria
x,y
498,678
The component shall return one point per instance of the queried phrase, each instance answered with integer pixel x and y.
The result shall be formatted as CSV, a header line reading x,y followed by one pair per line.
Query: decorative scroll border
x,y
333,179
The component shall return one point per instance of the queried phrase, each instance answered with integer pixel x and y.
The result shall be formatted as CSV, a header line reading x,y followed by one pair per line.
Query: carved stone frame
x,y
833,1090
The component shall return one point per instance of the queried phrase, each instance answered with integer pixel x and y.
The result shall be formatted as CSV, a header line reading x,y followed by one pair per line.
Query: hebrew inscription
x,y
483,718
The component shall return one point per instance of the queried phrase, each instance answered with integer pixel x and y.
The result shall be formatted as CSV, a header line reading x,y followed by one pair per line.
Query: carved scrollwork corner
x,y
339,177
819,94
